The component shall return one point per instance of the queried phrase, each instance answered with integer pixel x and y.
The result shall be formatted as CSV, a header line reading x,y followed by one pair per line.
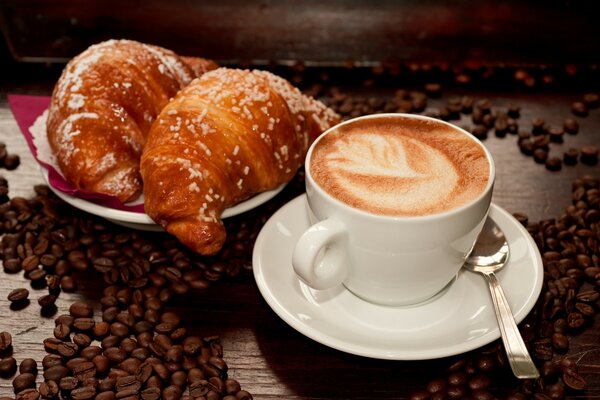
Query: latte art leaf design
x,y
373,155
395,173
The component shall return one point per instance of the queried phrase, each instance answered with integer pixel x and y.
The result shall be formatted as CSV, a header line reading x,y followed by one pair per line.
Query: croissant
x,y
228,135
103,106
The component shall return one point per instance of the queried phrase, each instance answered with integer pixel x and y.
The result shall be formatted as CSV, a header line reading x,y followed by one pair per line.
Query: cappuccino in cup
x,y
409,169
396,202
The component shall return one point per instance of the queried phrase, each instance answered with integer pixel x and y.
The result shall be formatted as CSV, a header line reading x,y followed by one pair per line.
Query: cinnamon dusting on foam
x,y
409,169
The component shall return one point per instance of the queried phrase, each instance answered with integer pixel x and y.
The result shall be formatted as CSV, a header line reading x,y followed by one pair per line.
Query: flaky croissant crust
x,y
104,104
228,135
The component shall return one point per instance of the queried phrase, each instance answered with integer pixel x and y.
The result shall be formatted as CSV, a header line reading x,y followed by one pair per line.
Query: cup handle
x,y
319,257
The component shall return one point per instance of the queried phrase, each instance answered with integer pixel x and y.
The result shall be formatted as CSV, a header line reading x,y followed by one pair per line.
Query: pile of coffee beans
x,y
136,348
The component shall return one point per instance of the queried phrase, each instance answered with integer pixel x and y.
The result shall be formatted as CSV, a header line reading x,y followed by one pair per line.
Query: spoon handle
x,y
518,357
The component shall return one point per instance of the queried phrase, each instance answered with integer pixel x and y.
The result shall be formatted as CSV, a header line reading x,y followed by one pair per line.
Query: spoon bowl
x,y
489,254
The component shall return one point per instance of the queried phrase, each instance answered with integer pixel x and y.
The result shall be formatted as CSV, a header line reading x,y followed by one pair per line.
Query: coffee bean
x,y
130,383
553,164
61,331
570,156
580,109
80,309
82,340
68,284
172,392
8,367
67,349
51,360
83,393
47,301
68,383
591,100
84,370
540,156
84,324
23,381
571,126
589,155
56,373
18,295
573,380
28,365
28,394
151,393
130,365
102,363
5,341
48,390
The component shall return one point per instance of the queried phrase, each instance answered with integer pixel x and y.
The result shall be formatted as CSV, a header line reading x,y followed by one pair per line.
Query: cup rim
x,y
408,218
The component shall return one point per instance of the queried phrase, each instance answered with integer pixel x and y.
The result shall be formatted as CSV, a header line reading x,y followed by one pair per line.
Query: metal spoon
x,y
490,254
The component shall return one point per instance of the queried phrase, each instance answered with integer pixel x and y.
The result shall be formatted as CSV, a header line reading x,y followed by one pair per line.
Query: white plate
x,y
459,319
142,221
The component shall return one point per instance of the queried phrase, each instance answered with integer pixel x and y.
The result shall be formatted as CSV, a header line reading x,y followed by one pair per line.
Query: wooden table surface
x,y
269,358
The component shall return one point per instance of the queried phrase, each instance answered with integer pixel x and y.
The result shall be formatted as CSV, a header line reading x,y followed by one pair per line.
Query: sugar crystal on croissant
x,y
227,136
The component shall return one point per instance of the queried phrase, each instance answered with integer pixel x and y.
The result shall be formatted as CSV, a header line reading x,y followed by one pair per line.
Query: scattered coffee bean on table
x,y
5,341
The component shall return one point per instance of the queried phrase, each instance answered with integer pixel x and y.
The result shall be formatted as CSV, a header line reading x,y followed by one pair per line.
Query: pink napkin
x,y
27,109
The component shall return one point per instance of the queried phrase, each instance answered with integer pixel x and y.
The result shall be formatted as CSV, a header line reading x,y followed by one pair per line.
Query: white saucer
x,y
459,319
140,220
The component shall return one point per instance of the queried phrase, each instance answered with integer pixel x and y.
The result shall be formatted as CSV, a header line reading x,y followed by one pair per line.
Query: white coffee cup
x,y
388,259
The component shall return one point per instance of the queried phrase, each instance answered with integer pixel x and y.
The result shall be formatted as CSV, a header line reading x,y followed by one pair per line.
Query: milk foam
x,y
400,169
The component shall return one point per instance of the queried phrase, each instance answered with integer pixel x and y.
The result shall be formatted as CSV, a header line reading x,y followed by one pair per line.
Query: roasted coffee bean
x,y
84,370
106,395
570,156
571,126
119,329
68,383
172,392
80,309
61,331
580,109
130,383
51,360
48,390
589,154
84,324
151,393
83,393
91,352
553,164
64,319
23,381
47,301
82,340
5,341
130,365
115,354
18,295
8,367
102,363
67,349
68,284
573,380
591,100
28,365
56,373
28,394
243,395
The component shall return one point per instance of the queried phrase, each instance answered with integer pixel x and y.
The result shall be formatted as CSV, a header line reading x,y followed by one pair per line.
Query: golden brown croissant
x,y
103,106
228,135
